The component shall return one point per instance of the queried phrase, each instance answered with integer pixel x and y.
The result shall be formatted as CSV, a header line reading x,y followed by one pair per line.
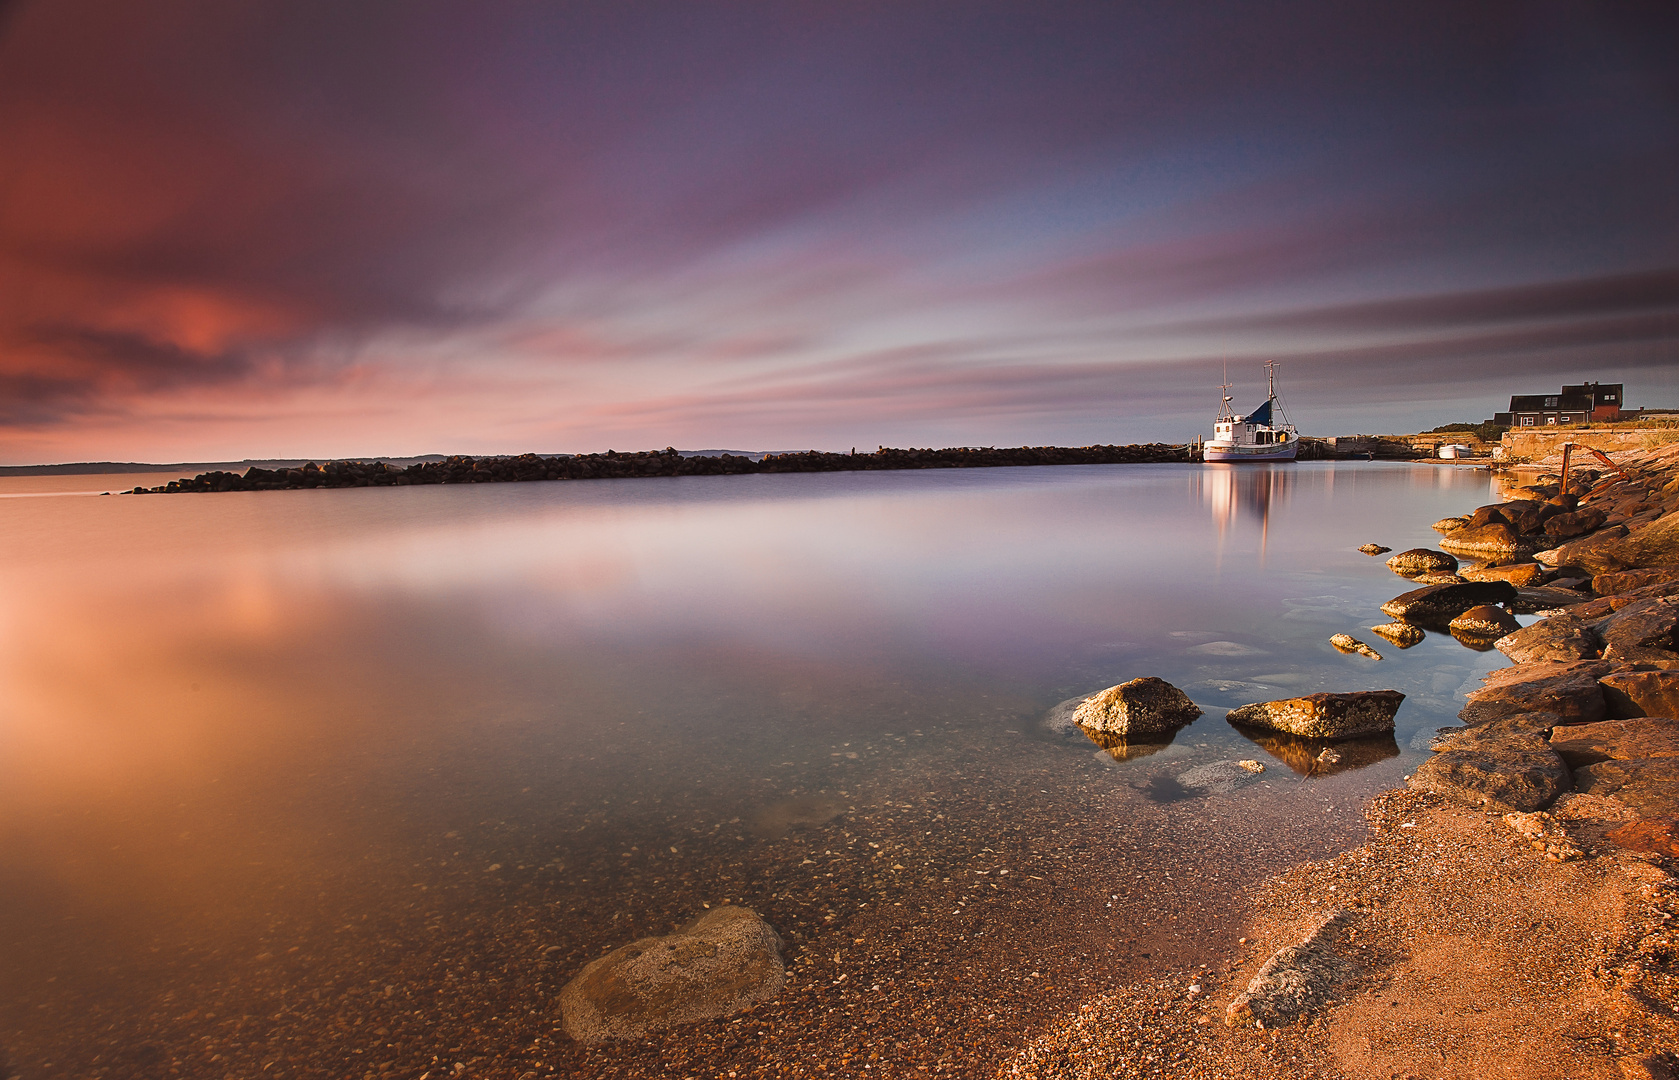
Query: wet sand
x,y
1475,957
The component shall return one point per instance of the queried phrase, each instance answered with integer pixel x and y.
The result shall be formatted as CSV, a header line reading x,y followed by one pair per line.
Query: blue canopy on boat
x,y
1260,416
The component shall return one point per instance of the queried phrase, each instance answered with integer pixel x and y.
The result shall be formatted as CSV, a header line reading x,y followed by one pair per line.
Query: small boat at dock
x,y
1262,435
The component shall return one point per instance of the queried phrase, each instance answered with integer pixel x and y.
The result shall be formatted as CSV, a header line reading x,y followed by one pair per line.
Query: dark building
x,y
1583,404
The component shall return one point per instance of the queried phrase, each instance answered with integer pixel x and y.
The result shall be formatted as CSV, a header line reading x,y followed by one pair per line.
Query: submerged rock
x,y
1374,549
1439,577
1449,524
1514,773
722,963
1297,979
1401,634
1220,777
1485,620
1349,644
1421,561
1324,716
1441,603
1139,707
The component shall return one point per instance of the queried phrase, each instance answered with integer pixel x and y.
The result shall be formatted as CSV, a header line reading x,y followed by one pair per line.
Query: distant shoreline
x,y
650,463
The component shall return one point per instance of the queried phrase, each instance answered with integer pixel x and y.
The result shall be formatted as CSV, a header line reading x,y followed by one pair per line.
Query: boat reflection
x,y
1248,491
1322,757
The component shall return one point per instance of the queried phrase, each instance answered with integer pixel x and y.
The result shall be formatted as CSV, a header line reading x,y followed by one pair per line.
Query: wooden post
x,y
1566,448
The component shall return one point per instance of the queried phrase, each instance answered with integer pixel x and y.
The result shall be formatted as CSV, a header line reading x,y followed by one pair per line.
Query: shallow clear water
x,y
260,744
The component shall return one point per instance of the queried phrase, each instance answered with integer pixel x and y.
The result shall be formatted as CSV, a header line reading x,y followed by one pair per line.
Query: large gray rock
x,y
1569,690
1324,716
1139,707
1560,638
722,963
1641,693
1421,561
1441,603
1296,979
1519,773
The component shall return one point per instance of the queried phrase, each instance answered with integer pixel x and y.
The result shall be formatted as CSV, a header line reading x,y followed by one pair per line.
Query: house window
x,y
1550,403
1608,397
1527,421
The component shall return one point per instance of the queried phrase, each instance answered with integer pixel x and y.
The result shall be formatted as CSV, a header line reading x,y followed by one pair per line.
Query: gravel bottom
x,y
947,912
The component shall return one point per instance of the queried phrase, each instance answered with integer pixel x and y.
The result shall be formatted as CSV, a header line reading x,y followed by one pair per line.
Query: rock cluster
x,y
1591,701
646,463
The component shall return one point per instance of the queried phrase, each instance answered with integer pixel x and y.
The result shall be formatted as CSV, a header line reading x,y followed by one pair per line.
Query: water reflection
x,y
1321,757
265,749
1120,748
1247,490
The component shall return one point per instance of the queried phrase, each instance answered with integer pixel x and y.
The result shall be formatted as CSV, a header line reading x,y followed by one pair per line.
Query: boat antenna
x,y
1225,412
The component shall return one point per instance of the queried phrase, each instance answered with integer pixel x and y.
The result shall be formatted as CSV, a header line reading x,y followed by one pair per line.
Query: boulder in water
x,y
1421,561
1324,716
1142,706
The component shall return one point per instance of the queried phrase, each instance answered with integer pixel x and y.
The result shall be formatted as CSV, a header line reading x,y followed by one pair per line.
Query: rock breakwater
x,y
648,463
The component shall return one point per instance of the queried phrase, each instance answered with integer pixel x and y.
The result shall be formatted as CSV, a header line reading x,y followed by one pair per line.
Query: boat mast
x,y
1224,410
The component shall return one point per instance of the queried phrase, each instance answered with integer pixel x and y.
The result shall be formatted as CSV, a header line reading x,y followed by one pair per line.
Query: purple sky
x,y
309,229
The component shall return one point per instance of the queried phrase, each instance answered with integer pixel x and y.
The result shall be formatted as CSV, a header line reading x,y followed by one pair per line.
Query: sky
x,y
309,229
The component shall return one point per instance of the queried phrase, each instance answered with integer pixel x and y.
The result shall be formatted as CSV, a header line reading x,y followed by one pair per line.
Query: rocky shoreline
x,y
611,465
1513,913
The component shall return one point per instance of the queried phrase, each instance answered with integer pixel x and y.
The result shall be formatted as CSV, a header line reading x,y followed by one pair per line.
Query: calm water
x,y
264,747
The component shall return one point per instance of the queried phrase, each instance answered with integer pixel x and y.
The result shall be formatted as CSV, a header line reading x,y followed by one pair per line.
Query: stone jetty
x,y
648,463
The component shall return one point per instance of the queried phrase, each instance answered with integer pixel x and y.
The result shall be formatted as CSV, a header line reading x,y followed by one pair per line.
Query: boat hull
x,y
1283,452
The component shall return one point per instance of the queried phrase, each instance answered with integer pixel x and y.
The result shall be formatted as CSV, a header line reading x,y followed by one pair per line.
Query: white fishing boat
x,y
1262,435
